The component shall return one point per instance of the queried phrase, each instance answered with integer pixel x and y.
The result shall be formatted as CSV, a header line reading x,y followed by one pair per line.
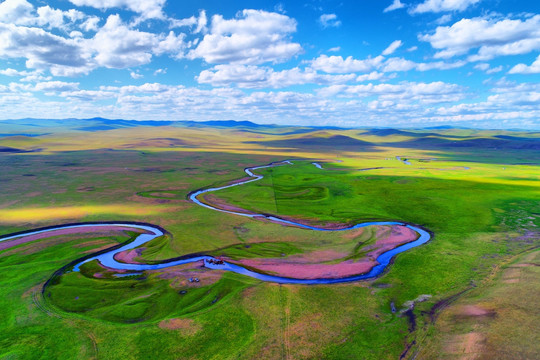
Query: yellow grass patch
x,y
69,212
466,346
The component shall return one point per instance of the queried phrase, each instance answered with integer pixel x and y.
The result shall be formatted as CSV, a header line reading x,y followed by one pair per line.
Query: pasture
x,y
477,191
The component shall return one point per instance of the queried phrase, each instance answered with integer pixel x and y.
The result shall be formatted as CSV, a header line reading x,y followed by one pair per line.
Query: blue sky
x,y
401,63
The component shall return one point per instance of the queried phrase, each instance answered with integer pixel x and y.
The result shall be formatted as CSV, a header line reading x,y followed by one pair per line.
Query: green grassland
x,y
500,324
478,192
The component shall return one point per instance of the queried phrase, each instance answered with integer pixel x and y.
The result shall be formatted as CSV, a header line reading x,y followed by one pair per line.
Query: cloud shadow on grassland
x,y
334,143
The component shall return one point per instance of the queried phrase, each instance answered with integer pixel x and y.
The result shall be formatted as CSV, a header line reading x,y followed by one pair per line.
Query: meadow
x,y
477,191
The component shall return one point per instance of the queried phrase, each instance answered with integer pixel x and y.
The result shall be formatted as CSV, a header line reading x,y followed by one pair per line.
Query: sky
x,y
349,63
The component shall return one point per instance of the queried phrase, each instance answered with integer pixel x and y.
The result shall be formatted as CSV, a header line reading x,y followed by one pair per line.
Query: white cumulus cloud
x,y
443,5
13,72
329,20
147,9
338,65
16,12
534,68
426,93
197,23
485,67
392,47
492,37
21,12
56,86
396,4
43,50
253,37
251,76
118,46
398,64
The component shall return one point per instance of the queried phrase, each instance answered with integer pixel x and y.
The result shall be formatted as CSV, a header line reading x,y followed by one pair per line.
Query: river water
x,y
152,232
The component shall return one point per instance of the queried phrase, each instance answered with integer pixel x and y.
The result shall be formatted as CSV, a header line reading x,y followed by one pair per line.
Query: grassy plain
x,y
480,198
493,320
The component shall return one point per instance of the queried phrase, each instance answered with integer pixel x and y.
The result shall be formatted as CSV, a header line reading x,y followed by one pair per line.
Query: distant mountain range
x,y
36,127
29,126
303,138
131,123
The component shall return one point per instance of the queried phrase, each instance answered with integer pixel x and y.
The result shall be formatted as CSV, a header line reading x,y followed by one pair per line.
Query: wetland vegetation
x,y
482,207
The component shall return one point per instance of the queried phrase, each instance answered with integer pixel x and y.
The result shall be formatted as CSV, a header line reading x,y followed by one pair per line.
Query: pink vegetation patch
x,y
310,271
81,230
182,273
311,266
474,310
390,237
220,204
128,256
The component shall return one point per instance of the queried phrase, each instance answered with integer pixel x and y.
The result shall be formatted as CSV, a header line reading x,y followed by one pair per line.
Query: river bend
x,y
151,232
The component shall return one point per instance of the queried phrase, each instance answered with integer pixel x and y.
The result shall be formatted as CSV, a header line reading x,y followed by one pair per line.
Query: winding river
x,y
151,232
